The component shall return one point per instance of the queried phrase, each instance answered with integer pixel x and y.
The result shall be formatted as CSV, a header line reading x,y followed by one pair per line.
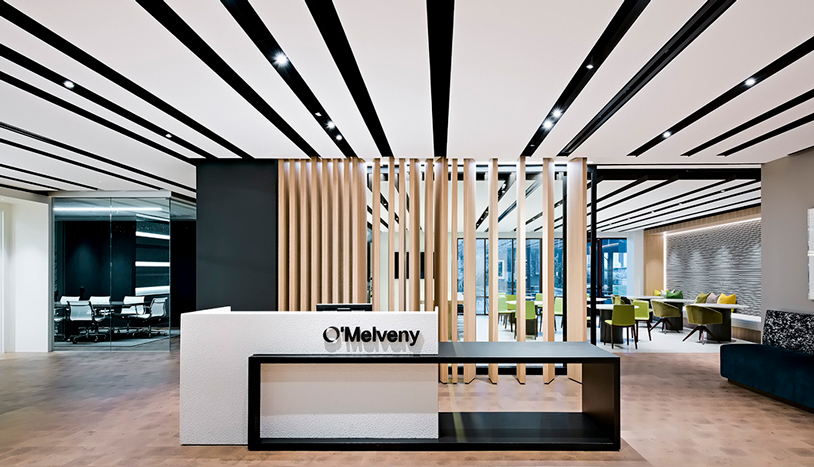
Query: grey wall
x,y
788,193
237,235
719,259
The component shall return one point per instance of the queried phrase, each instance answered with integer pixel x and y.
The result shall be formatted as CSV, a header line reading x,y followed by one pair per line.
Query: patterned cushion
x,y
789,330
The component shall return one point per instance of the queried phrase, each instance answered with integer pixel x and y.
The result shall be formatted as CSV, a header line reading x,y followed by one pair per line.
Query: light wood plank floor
x,y
101,409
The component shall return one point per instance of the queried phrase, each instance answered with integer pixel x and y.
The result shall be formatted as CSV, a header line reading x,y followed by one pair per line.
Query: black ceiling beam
x,y
700,214
756,78
684,174
173,23
253,26
49,177
89,155
54,40
618,26
501,192
628,215
639,193
537,183
82,91
749,124
12,187
329,25
776,132
440,23
711,198
706,15
35,91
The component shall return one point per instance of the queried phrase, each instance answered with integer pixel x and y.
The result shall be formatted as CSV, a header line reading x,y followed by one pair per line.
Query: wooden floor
x,y
117,408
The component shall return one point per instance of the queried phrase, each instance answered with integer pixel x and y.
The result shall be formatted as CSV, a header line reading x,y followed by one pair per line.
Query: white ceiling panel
x,y
390,43
742,41
508,68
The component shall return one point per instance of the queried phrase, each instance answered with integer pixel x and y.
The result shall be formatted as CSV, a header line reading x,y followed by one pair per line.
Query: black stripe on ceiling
x,y
706,15
257,31
777,131
700,214
501,192
630,185
628,215
49,187
440,23
327,20
713,197
49,177
69,161
90,116
60,80
621,22
90,155
54,40
749,124
537,183
758,77
173,23
370,210
12,187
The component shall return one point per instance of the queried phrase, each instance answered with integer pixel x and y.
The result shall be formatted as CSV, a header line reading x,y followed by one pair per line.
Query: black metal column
x,y
594,252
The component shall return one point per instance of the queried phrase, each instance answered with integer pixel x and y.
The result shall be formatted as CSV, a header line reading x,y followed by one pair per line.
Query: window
x,y
612,267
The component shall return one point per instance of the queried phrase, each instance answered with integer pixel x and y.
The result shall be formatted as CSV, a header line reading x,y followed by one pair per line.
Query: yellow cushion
x,y
727,299
657,293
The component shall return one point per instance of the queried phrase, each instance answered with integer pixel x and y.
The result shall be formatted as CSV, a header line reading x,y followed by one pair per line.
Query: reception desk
x,y
369,380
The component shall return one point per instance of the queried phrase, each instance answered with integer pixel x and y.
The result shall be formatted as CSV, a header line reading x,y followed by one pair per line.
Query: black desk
x,y
596,428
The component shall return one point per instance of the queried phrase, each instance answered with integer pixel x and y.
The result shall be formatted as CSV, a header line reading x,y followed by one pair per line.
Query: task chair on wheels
x,y
156,313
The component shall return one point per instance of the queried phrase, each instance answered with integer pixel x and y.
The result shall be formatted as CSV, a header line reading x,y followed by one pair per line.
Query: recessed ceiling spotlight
x,y
339,137
666,134
750,82
168,135
532,145
317,114
280,59
589,66
556,113
330,125
68,84
547,124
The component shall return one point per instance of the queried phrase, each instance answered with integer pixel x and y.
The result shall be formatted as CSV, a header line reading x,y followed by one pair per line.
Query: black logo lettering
x,y
348,334
333,337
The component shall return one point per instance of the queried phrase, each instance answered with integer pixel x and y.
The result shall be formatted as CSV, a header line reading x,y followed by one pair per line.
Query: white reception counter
x,y
307,401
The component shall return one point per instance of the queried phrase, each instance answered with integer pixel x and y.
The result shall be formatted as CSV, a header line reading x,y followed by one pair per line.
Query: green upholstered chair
x,y
616,300
663,311
531,319
503,310
558,307
514,299
701,317
624,316
642,314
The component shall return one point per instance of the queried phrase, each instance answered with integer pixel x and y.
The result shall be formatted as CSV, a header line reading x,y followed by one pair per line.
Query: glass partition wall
x,y
113,272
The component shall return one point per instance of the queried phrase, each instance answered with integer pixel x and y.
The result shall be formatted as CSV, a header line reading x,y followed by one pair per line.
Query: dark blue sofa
x,y
783,365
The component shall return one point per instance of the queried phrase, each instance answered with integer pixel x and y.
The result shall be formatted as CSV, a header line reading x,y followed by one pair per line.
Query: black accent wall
x,y
182,280
237,235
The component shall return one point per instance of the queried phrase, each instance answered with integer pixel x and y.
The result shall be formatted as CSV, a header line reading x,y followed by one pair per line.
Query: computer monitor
x,y
344,307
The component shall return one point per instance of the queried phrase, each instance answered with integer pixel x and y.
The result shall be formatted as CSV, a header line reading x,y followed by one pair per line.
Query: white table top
x,y
724,306
514,302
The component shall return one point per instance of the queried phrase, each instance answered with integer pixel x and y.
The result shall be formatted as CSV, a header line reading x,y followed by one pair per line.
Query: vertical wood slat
x,y
346,231
520,268
415,236
282,228
429,236
442,239
391,235
336,228
293,237
304,238
314,228
361,221
549,321
325,286
469,262
402,283
453,261
353,204
376,239
577,259
493,256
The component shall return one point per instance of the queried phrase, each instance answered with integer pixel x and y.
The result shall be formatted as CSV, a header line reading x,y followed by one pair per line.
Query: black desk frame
x,y
596,428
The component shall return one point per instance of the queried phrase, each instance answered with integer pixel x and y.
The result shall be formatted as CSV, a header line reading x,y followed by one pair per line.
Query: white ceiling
x,y
510,63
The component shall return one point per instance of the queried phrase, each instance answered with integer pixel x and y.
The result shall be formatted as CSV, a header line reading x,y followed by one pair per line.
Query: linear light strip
x,y
670,234
106,209
152,264
152,235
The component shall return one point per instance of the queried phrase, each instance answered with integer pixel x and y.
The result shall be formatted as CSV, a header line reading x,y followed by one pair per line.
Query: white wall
x,y
25,307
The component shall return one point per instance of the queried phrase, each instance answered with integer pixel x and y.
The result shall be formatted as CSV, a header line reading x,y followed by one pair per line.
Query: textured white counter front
x,y
320,401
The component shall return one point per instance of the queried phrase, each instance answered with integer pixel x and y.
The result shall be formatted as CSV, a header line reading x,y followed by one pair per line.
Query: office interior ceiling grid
x,y
507,72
